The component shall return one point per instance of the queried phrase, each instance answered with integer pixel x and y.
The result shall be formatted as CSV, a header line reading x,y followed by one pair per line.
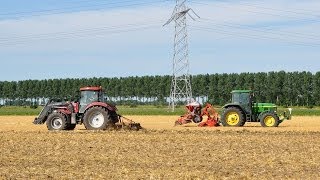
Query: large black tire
x,y
233,117
114,117
97,118
71,127
269,119
56,121
243,122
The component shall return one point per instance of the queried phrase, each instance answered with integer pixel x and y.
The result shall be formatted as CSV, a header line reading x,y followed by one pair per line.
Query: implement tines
x,y
126,123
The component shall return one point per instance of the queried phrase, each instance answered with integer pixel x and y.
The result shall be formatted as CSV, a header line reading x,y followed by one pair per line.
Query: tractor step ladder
x,y
248,117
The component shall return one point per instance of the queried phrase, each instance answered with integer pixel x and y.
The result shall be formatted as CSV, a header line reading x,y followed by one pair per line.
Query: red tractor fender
x,y
102,104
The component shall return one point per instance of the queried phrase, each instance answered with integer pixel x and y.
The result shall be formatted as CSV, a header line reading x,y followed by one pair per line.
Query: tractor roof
x,y
91,88
241,91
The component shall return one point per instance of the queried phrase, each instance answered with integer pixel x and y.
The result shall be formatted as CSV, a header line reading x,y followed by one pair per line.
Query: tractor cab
x,y
90,95
244,98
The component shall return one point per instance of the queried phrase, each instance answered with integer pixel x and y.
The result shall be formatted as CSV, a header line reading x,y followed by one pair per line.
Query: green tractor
x,y
243,109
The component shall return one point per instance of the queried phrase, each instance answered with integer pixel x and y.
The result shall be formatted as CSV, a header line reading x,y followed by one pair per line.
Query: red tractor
x,y
91,110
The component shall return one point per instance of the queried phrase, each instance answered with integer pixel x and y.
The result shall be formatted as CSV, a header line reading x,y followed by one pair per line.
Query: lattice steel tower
x,y
180,86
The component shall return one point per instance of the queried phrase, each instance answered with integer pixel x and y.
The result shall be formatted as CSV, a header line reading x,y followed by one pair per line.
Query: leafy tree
x,y
283,88
316,89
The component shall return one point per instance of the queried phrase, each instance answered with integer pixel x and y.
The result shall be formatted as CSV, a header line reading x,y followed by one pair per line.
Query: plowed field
x,y
291,151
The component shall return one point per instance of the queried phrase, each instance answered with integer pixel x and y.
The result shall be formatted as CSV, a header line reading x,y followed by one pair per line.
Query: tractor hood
x,y
265,105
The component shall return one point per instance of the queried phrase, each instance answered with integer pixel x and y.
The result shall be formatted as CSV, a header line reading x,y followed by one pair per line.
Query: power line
x,y
255,37
278,34
87,7
92,32
298,12
263,30
227,4
84,30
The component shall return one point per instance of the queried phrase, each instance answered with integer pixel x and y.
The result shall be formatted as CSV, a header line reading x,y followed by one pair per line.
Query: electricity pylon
x,y
181,85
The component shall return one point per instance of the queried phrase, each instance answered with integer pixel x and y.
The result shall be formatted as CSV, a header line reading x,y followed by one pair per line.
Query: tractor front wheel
x,y
269,119
232,116
96,118
56,121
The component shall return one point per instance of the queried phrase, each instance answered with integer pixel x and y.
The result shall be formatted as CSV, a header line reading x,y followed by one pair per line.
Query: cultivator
x,y
125,123
212,117
195,114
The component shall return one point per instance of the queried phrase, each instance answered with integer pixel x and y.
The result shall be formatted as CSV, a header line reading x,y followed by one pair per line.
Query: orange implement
x,y
212,117
194,114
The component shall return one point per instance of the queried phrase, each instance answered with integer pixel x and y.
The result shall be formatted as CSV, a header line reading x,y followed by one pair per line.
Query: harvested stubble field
x,y
291,151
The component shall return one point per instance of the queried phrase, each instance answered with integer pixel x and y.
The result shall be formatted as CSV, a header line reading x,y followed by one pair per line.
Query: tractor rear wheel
x,y
269,119
96,118
232,116
56,121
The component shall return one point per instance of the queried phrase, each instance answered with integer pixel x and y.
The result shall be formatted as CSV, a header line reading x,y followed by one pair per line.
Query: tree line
x,y
282,88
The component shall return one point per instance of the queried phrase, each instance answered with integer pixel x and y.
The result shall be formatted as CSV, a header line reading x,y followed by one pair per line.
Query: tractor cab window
x,y
235,98
89,96
241,98
244,98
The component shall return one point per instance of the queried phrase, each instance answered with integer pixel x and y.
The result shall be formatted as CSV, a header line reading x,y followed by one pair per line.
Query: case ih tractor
x,y
91,110
243,109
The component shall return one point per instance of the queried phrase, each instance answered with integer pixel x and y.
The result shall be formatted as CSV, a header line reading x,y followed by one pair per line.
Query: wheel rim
x,y
96,120
269,121
56,123
232,118
197,119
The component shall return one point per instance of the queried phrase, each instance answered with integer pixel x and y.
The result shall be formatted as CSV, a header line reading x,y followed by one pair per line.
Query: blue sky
x,y
45,39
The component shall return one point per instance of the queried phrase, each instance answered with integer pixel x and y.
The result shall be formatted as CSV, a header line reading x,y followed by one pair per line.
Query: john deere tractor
x,y
243,109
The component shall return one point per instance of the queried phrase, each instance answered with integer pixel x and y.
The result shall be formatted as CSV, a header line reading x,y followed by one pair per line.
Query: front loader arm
x,y
47,109
43,114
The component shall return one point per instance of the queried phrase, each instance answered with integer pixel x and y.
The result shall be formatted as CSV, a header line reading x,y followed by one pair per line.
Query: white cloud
x,y
278,21
99,27
82,37
91,27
